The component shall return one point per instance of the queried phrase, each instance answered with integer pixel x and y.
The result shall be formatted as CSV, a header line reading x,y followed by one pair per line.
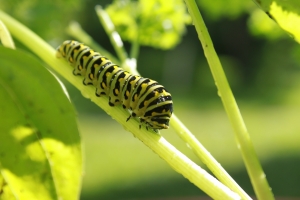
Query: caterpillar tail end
x,y
58,54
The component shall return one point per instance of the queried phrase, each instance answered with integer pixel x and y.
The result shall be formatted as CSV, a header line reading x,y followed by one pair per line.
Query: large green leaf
x,y
285,13
40,149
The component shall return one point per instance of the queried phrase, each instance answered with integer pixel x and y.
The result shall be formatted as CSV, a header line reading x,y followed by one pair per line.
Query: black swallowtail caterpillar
x,y
146,98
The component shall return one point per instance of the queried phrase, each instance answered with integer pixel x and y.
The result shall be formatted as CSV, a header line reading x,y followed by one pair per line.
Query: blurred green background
x,y
262,64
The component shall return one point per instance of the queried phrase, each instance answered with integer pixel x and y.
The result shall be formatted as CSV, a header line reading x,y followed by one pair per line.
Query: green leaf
x,y
285,13
156,23
221,9
5,192
260,25
43,16
40,149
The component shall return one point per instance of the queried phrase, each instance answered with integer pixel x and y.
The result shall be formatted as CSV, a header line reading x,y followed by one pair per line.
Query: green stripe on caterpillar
x,y
146,98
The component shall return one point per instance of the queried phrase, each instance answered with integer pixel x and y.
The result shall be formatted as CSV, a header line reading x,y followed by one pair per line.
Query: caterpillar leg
x,y
128,118
147,125
141,121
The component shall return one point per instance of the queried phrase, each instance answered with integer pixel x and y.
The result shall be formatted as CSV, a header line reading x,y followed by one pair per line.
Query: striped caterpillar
x,y
146,98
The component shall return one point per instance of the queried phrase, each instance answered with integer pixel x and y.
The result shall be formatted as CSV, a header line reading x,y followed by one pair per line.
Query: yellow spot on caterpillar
x,y
117,91
91,76
135,97
165,93
154,113
127,93
146,103
144,85
103,85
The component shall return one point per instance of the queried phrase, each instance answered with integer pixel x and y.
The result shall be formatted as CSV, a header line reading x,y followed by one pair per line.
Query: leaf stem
x,y
114,36
75,30
255,171
134,51
5,37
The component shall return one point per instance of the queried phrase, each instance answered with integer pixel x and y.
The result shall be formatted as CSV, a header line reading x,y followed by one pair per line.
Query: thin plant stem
x,y
244,143
114,36
135,48
75,30
128,64
5,37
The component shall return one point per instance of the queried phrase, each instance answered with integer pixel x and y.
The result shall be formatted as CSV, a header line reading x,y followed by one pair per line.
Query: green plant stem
x,y
128,64
75,30
255,171
206,157
114,36
5,37
135,48
158,144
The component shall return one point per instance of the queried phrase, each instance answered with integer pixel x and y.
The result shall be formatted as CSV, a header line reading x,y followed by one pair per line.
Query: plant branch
x,y
75,30
134,51
114,36
5,37
255,171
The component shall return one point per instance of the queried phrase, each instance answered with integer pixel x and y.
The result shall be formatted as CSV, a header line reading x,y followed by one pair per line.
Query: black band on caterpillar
x,y
146,98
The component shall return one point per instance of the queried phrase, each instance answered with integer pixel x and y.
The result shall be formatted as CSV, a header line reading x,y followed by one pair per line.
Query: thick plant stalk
x,y
255,171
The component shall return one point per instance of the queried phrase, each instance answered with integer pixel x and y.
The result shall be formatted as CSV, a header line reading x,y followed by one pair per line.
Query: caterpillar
x,y
145,98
